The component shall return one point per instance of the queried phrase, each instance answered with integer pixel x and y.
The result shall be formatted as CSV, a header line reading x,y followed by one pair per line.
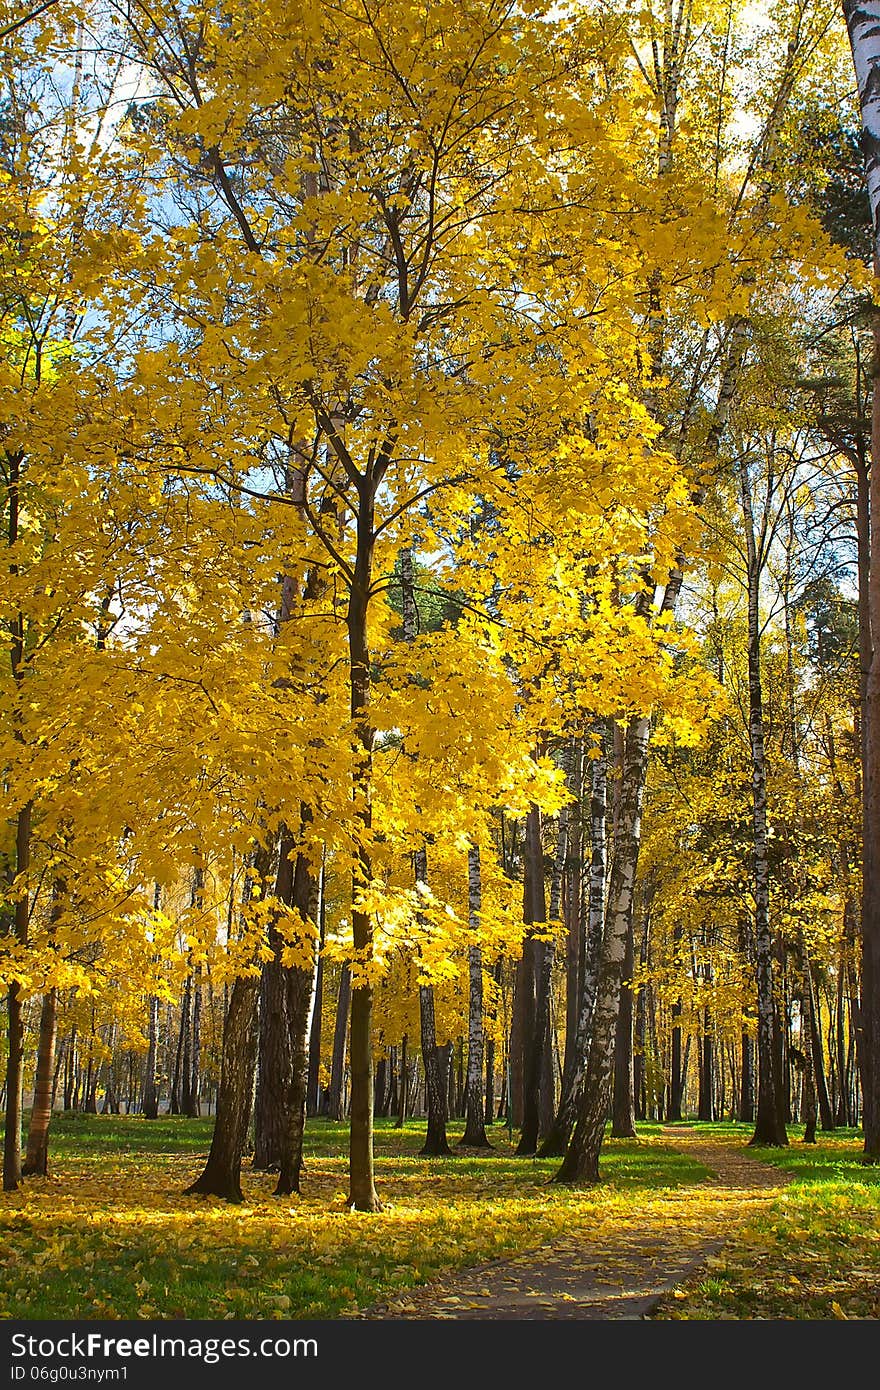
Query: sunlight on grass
x,y
111,1235
814,1254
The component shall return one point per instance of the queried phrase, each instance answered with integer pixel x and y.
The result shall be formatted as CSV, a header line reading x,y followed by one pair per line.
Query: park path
x,y
621,1273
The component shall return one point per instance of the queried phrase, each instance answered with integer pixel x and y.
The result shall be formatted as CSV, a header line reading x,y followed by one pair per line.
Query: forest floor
x,y
110,1235
623,1272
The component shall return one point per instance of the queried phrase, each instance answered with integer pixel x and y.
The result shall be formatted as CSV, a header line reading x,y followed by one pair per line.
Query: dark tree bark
x,y
297,887
37,1159
770,1119
673,1112
222,1173
623,1119
556,1141
820,1083
807,1030
178,1074
150,1087
14,1001
862,21
474,1136
537,978
706,1088
274,1059
436,1079
404,1082
193,1095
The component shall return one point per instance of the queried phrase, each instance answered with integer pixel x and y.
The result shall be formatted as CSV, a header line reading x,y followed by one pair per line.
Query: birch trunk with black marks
x,y
581,1163
556,1142
863,26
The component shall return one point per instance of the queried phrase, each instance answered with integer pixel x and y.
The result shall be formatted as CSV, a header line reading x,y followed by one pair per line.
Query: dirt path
x,y
619,1273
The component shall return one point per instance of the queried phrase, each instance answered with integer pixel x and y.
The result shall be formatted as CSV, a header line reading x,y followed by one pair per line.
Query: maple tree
x,y
387,393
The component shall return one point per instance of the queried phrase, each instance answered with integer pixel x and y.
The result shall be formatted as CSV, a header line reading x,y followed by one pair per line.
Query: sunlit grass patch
x,y
814,1254
111,1235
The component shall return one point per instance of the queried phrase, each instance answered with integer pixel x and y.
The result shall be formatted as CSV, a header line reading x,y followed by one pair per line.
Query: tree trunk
x,y
194,1106
337,1061
556,1142
150,1088
222,1173
623,1119
673,1113
807,1047
297,887
274,1059
581,1163
15,1018
706,1089
537,977
37,1160
826,1114
474,1136
770,1121
401,1097
436,1143
863,25
317,1008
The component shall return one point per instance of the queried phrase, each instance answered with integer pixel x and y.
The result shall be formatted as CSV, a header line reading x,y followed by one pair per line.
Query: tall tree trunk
x,y
37,1160
340,1031
706,1089
770,1120
536,982
404,1082
274,1059
676,1080
673,1112
556,1142
221,1176
807,1047
179,1071
863,25
222,1173
575,936
194,1106
15,1004
826,1114
436,1143
296,886
150,1083
623,1119
474,1136
581,1162
317,1008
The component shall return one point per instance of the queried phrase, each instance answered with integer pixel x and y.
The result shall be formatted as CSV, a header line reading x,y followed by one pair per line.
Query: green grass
x,y
110,1234
815,1254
